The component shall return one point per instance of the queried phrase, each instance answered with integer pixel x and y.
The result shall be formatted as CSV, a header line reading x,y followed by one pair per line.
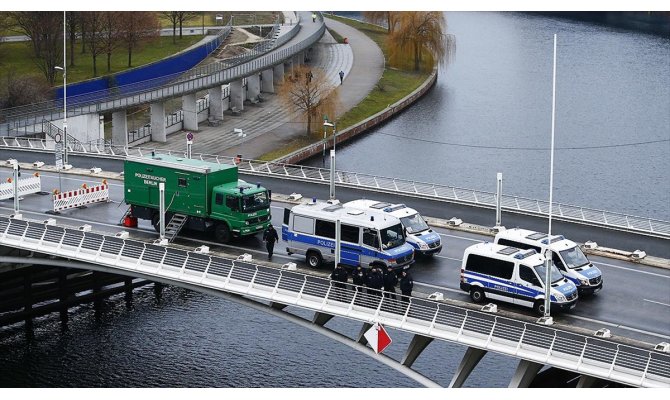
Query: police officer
x,y
339,277
359,277
406,285
390,280
270,237
376,281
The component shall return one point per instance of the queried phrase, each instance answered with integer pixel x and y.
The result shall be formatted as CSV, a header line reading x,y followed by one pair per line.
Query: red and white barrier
x,y
29,185
81,197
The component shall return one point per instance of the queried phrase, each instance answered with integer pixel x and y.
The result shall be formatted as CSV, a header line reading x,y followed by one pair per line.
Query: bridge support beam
x,y
525,373
277,306
470,360
586,381
119,128
215,103
190,108
288,64
158,133
416,347
253,87
321,318
361,335
236,95
278,73
267,81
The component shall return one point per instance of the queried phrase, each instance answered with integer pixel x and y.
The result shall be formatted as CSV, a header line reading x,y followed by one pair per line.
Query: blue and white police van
x,y
367,237
517,276
566,255
419,235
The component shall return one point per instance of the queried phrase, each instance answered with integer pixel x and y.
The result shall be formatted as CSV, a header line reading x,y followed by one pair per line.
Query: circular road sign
x,y
57,137
189,136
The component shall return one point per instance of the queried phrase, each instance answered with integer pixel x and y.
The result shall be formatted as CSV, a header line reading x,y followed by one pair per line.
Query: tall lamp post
x,y
64,69
332,157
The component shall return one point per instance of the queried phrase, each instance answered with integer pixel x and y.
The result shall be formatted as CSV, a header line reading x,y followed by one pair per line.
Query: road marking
x,y
461,238
449,258
657,302
439,287
632,270
617,326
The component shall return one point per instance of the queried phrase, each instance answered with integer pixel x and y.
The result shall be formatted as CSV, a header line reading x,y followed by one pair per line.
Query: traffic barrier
x,y
29,185
80,197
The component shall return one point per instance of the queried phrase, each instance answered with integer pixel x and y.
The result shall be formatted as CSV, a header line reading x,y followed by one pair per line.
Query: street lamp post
x,y
332,157
64,69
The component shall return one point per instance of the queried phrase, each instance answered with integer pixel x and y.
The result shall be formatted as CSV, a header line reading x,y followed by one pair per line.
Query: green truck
x,y
206,196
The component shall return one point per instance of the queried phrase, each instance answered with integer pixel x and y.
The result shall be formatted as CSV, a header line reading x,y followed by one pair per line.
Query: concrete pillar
x,y
278,73
236,97
190,109
470,360
278,306
63,295
299,59
267,81
119,128
321,318
253,87
525,373
128,289
215,103
415,348
28,298
158,133
288,66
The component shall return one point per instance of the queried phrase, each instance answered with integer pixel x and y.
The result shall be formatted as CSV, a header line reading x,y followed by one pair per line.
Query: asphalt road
x,y
634,303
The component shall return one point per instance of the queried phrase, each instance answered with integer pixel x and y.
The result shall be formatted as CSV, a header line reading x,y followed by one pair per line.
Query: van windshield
x,y
414,223
392,237
574,257
542,272
255,202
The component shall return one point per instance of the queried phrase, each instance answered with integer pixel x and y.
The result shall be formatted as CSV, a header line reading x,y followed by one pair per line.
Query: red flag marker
x,y
378,338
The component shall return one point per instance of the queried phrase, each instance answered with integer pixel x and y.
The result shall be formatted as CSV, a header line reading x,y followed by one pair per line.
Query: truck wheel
x,y
539,307
222,233
314,259
477,295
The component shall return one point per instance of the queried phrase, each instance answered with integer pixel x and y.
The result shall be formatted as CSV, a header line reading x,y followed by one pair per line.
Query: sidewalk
x,y
268,125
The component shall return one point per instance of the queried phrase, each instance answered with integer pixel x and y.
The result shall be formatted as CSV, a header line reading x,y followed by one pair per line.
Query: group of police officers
x,y
375,280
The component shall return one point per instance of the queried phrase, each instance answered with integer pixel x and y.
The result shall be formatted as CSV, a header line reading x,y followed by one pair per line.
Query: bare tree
x,y
309,93
45,30
173,17
417,33
388,18
138,27
19,90
72,20
111,34
183,16
94,26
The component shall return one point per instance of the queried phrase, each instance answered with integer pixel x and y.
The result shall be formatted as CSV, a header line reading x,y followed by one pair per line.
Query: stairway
x,y
174,226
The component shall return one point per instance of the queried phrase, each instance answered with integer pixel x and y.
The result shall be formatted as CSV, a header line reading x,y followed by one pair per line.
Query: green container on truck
x,y
210,195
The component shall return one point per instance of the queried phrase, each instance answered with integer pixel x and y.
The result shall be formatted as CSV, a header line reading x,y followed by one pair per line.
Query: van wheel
x,y
314,259
539,307
477,295
222,233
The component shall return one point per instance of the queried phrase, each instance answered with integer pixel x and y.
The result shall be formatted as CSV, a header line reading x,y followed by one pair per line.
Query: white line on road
x,y
657,302
439,287
617,326
633,270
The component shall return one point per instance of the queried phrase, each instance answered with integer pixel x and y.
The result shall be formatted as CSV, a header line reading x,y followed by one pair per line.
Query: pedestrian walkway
x,y
268,125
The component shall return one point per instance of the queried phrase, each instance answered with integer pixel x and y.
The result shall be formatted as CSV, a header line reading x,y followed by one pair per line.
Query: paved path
x,y
268,125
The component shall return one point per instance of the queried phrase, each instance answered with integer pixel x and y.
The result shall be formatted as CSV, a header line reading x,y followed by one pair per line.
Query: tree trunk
x,y
180,29
73,38
83,42
95,67
416,56
130,54
109,62
174,33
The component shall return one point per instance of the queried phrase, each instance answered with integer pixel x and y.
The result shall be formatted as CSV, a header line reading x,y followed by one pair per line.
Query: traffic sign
x,y
59,155
378,338
189,136
57,137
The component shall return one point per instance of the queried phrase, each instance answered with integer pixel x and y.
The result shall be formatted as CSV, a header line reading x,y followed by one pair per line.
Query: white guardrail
x,y
28,185
593,356
434,191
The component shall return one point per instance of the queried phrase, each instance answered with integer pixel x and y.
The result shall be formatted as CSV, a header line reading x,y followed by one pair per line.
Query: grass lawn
x,y
18,56
240,18
393,86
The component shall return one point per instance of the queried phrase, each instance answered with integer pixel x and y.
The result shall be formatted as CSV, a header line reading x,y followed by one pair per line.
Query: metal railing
x,y
432,191
157,90
606,359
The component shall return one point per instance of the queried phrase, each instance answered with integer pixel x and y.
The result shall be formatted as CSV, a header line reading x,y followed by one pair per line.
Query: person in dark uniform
x,y
390,280
406,285
359,277
340,277
375,281
270,237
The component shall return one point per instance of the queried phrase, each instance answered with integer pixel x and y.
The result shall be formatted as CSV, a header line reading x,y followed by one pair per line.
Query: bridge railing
x,y
607,359
434,191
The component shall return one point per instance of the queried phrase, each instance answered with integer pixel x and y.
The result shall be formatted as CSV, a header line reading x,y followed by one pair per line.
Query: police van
x,y
566,255
419,235
367,237
513,275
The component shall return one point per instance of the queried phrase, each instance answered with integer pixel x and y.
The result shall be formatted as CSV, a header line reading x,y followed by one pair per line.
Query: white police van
x,y
419,235
566,255
367,237
513,275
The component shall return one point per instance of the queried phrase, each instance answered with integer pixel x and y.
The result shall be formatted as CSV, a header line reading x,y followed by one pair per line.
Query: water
x,y
613,88
493,106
